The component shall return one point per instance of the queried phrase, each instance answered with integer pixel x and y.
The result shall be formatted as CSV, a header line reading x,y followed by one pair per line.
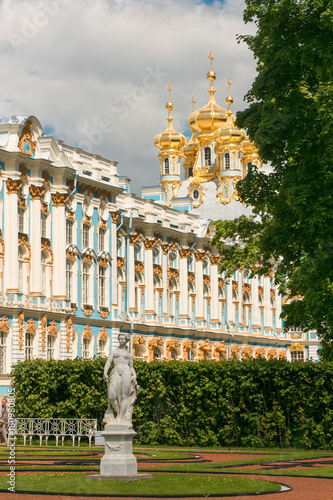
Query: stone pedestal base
x,y
118,459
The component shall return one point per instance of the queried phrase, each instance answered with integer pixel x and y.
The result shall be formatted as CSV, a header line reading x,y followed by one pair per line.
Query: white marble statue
x,y
122,386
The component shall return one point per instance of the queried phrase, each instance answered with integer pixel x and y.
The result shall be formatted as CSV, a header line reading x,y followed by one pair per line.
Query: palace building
x,y
82,258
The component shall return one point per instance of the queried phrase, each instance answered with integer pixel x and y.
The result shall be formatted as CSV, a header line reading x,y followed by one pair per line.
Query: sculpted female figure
x,y
122,384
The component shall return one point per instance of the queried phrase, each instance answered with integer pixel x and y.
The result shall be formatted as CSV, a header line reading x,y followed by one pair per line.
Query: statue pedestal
x,y
118,461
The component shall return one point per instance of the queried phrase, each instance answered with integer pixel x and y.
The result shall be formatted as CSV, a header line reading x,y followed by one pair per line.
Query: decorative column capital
x,y
200,256
59,199
215,260
150,244
166,248
13,185
185,252
36,192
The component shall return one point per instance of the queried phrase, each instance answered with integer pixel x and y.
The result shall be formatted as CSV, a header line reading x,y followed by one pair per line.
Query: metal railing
x,y
44,428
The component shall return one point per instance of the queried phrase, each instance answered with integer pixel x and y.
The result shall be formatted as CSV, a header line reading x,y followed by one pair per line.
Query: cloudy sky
x,y
95,72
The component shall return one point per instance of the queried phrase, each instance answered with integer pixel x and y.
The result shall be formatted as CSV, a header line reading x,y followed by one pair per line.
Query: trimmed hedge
x,y
229,403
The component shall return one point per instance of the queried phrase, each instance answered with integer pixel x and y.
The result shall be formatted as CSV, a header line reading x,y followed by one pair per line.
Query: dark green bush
x,y
254,403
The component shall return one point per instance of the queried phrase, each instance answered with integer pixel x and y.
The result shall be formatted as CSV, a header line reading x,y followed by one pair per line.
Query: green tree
x,y
290,119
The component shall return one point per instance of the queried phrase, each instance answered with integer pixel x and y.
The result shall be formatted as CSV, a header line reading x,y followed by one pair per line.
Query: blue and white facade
x,y
81,258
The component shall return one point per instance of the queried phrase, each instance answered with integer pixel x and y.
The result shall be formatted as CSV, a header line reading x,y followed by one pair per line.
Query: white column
x,y
267,302
11,235
131,277
149,244
214,285
59,244
255,303
114,256
229,305
35,238
183,278
278,311
199,285
165,278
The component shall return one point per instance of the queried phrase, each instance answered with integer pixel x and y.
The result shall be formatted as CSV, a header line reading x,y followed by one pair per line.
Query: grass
x,y
198,485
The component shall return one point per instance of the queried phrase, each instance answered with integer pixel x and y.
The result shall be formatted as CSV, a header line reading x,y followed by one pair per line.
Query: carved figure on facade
x,y
206,280
46,246
115,217
221,282
271,354
4,324
173,273
260,353
260,291
247,352
170,346
103,334
246,288
139,267
122,386
297,346
235,351
153,344
31,326
121,263
282,354
219,351
187,347
235,286
157,269
191,277
26,144
204,350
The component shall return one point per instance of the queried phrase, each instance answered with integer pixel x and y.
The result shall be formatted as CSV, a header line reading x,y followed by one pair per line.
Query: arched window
x,y
21,254
190,263
85,236
157,353
208,156
86,347
172,260
171,297
69,231
235,305
50,348
156,255
190,172
29,345
246,309
44,226
101,239
166,166
137,251
138,291
205,267
102,286
86,269
227,160
69,280
21,220
45,259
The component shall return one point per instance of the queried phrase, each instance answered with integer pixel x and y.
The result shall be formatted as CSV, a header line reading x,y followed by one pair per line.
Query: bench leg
x,y
57,438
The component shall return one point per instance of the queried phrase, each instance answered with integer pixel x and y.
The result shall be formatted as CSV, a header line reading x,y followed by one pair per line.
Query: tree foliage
x,y
290,120
229,403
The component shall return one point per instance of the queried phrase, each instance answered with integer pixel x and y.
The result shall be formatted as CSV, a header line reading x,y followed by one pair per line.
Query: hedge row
x,y
229,403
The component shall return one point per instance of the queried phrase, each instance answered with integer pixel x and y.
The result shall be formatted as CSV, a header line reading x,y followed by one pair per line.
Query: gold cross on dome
x,y
229,82
193,101
211,57
169,89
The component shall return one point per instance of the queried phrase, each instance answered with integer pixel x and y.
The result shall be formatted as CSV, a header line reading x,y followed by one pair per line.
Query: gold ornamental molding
x,y
157,269
13,185
272,294
165,247
44,208
31,326
135,238
115,217
173,273
46,246
138,340
59,199
53,328
24,173
87,333
121,263
36,192
150,244
43,323
260,291
139,267
185,252
22,203
152,345
235,286
297,346
191,277
69,323
282,354
221,282
246,288
2,244
206,280
87,311
104,314
20,329
170,346
4,324
46,177
103,334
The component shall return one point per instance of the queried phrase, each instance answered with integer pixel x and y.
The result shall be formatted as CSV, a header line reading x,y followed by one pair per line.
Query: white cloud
x,y
97,71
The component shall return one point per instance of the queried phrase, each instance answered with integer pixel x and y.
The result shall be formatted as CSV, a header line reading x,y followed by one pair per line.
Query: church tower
x,y
170,144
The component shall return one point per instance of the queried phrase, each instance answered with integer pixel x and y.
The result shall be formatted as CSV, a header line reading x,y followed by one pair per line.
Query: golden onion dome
x,y
229,132
212,116
169,139
191,147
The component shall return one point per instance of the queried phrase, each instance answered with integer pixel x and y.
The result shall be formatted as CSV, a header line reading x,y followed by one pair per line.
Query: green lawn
x,y
175,484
